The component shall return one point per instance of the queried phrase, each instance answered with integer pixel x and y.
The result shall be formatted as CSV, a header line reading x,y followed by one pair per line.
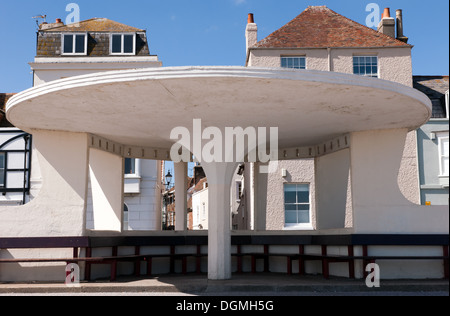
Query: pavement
x,y
261,284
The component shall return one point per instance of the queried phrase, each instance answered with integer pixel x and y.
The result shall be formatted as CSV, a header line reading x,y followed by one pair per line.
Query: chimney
x,y
251,32
400,35
387,24
45,25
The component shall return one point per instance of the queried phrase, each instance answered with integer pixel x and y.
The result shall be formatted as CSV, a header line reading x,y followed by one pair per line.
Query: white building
x,y
99,45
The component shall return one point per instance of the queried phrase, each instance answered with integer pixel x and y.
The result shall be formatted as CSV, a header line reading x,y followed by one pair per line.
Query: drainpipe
x,y
330,61
26,138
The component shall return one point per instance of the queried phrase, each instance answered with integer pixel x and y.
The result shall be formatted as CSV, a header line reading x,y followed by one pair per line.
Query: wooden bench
x,y
349,241
137,242
266,241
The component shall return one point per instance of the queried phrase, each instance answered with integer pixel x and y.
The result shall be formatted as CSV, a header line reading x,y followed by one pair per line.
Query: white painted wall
x,y
200,213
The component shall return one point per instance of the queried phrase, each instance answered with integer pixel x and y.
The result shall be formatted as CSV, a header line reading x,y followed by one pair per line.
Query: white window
x,y
443,153
293,62
365,66
123,44
297,205
74,44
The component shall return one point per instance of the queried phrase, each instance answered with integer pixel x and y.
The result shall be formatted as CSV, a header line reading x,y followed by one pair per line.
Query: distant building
x,y
432,142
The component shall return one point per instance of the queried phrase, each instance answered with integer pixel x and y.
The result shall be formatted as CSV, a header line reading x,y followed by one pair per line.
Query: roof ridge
x,y
90,20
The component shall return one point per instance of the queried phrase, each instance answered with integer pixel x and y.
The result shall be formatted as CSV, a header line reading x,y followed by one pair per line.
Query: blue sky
x,y
209,32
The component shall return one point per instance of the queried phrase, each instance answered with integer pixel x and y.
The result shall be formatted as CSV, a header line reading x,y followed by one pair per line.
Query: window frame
x,y
442,136
365,65
122,53
298,226
292,57
73,53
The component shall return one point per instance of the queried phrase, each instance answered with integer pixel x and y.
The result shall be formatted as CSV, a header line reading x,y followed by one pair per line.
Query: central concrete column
x,y
219,219
180,196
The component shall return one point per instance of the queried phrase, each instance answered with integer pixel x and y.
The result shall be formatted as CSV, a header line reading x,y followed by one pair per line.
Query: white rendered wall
x,y
378,204
200,217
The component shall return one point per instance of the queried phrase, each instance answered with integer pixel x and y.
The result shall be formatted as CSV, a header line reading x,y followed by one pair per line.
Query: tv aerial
x,y
40,17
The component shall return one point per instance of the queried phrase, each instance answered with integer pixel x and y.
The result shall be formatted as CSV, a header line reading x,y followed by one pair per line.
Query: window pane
x,y
117,43
445,166
291,217
303,217
302,197
130,166
290,207
283,62
68,44
289,197
80,43
445,147
128,44
303,63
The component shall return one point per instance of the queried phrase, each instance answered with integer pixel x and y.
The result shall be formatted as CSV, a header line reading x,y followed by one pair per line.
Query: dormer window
x,y
123,44
74,44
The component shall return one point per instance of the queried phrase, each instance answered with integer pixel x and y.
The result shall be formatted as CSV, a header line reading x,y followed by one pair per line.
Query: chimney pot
x,y
58,21
251,18
386,13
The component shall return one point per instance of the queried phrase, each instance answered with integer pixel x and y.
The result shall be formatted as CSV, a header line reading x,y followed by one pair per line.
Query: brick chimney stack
x,y
251,32
387,24
400,35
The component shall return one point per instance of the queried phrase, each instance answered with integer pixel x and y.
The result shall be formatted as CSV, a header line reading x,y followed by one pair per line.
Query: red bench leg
x,y
351,263
325,263
266,258
446,263
137,264
87,268
301,262
198,259
149,266
289,265
239,259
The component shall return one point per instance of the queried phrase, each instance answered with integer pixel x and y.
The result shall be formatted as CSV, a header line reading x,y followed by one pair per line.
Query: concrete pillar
x,y
180,196
107,174
219,232
332,173
260,197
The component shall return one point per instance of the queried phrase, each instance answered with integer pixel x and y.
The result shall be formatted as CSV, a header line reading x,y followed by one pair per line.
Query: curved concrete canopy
x,y
141,107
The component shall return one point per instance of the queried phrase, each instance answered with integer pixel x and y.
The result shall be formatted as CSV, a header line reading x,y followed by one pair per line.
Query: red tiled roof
x,y
95,25
320,27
